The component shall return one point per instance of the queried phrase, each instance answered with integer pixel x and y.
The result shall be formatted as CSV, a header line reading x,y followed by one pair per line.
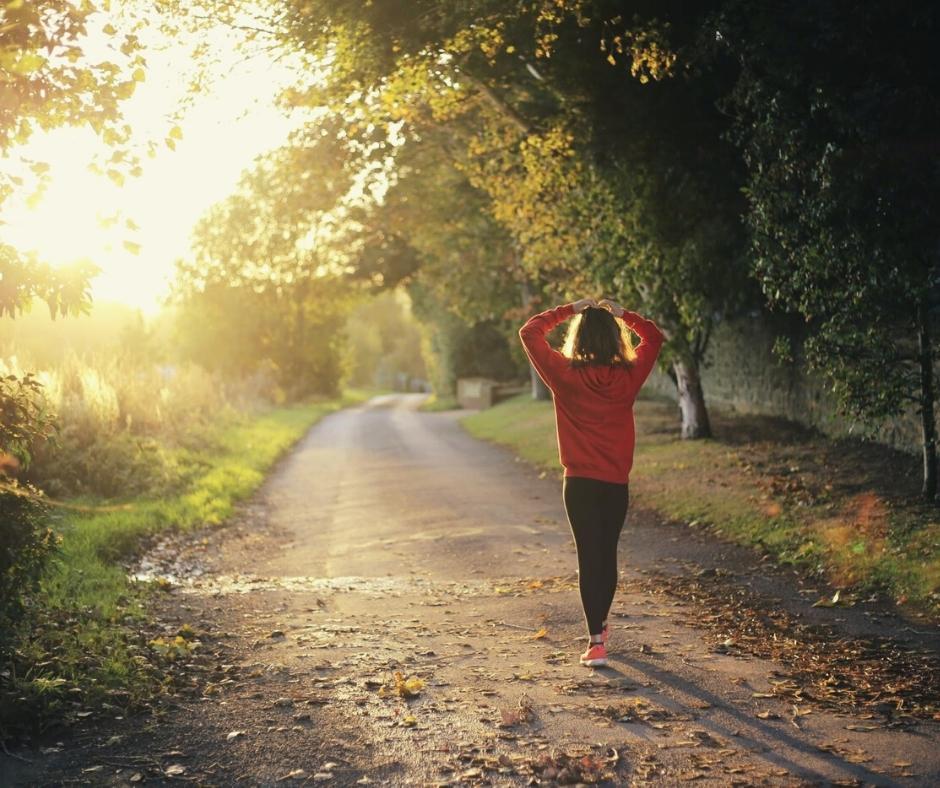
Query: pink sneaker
x,y
595,656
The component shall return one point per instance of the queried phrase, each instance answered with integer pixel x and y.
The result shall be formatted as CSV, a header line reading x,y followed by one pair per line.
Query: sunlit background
x,y
221,134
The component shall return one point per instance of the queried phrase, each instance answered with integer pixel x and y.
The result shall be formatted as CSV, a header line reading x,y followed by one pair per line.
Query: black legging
x,y
596,511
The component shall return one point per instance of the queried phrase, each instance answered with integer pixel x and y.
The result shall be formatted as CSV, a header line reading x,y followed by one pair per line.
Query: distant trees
x,y
265,284
384,343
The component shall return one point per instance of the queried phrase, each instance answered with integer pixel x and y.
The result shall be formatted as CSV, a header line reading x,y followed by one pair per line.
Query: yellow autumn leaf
x,y
407,688
540,634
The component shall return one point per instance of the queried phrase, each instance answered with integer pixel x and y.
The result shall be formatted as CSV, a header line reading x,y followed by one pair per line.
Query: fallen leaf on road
x,y
540,634
508,718
175,770
407,688
234,735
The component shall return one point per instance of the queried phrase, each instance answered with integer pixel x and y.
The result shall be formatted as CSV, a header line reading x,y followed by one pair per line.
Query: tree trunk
x,y
691,400
928,425
539,390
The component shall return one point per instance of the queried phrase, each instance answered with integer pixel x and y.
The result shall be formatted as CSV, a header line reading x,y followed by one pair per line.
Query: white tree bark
x,y
691,401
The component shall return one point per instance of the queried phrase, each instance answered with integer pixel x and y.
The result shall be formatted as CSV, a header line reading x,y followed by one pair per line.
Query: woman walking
x,y
594,384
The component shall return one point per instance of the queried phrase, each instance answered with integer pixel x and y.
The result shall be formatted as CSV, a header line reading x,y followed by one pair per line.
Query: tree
x,y
49,81
384,341
837,112
592,129
271,256
462,272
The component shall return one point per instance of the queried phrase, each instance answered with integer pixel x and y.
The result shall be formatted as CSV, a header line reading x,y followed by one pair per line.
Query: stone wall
x,y
742,374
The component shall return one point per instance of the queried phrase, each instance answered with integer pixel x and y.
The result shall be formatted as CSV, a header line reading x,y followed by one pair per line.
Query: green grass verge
x,y
81,648
841,509
434,403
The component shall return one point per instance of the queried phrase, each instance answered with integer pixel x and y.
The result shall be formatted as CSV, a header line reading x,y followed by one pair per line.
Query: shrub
x,y
25,543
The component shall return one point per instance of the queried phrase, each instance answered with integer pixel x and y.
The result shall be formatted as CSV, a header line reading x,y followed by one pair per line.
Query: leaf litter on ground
x,y
875,675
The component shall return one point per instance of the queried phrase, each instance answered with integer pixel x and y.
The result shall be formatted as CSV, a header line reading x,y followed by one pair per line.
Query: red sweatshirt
x,y
593,405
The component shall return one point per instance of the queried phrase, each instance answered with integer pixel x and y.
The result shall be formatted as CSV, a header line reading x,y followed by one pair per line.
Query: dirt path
x,y
391,542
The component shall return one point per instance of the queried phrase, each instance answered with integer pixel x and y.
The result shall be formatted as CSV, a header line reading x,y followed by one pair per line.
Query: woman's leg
x,y
615,503
593,508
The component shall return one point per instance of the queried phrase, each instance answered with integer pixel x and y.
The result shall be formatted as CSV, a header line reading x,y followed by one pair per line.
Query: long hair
x,y
596,338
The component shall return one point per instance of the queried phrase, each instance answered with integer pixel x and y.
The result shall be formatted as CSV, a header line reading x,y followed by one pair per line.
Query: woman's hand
x,y
584,303
611,306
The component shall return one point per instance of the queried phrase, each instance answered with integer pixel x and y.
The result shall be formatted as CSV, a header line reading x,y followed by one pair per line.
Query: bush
x,y
25,541
25,544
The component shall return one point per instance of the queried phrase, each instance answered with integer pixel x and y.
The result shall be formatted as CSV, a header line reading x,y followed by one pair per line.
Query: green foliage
x,y
50,81
26,543
842,209
44,65
25,420
64,289
384,342
295,332
265,284
586,140
25,539
457,348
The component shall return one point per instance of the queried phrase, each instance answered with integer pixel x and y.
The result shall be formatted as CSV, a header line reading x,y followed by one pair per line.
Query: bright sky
x,y
222,133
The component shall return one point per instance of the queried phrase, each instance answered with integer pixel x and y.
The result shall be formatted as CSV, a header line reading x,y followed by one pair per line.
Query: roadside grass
x,y
434,403
82,649
844,509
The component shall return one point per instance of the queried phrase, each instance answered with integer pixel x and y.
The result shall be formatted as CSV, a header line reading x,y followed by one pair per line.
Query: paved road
x,y
391,542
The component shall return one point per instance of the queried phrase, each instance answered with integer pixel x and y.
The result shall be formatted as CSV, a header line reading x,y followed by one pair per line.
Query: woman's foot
x,y
595,656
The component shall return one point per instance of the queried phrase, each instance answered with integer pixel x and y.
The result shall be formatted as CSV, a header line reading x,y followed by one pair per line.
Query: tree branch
x,y
497,103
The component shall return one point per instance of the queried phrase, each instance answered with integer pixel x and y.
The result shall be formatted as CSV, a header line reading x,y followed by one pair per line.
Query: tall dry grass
x,y
124,424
